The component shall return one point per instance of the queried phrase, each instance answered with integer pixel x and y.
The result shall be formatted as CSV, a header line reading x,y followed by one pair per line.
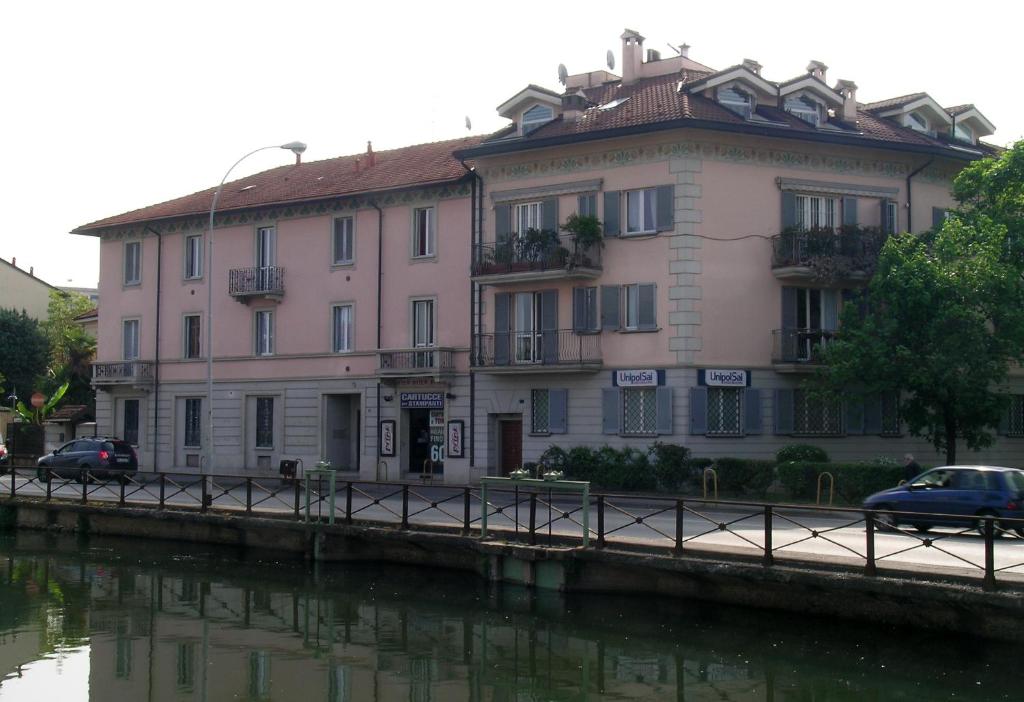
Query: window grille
x,y
193,422
725,411
890,414
639,411
816,416
264,422
540,411
1016,424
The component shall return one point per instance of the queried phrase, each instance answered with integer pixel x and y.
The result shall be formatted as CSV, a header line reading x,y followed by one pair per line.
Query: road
x,y
633,521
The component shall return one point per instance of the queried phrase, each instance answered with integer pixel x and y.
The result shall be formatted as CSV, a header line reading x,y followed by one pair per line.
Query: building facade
x,y
22,291
444,312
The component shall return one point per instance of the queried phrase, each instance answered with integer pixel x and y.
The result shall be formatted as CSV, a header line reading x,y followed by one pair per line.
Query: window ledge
x,y
640,436
736,435
349,265
640,331
539,433
586,332
638,235
423,259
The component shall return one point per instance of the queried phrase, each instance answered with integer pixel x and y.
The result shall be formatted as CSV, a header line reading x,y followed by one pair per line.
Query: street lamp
x,y
296,147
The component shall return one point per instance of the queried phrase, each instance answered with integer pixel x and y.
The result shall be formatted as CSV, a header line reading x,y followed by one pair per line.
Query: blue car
x,y
965,493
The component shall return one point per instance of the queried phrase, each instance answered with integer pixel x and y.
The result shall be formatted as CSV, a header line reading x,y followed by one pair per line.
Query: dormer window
x,y
535,117
917,122
736,100
963,133
804,108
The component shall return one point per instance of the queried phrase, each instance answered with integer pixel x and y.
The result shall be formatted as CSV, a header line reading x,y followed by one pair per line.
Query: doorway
x,y
341,431
511,443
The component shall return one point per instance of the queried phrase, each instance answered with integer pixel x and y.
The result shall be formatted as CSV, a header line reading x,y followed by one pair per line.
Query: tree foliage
x,y
945,315
62,331
24,352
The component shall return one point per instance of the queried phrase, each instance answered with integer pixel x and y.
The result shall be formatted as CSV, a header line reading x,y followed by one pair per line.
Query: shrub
x,y
744,477
669,462
799,478
853,481
801,452
605,468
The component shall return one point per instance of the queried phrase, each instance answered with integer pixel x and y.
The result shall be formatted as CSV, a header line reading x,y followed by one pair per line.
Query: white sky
x,y
111,106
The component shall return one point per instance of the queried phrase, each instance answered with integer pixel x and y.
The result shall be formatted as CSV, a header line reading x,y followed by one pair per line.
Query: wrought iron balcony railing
x,y
524,255
122,372
799,345
845,251
250,282
419,361
537,349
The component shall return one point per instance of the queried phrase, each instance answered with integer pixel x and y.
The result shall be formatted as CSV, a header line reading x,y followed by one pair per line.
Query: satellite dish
x,y
610,58
563,74
469,125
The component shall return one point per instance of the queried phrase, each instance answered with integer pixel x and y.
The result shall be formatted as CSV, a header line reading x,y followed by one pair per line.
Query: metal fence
x,y
528,254
525,349
862,540
261,280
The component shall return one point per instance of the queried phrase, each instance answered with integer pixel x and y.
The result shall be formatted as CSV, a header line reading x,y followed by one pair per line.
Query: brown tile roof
x,y
410,166
68,413
958,109
891,103
94,312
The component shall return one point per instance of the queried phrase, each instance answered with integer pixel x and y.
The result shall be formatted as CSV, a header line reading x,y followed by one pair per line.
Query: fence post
x,y
678,550
297,495
348,502
990,559
768,558
163,484
533,518
465,511
600,521
248,495
49,483
14,480
202,508
869,523
121,481
405,506
84,475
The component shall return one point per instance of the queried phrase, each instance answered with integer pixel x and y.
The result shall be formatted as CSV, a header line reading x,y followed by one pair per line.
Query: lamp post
x,y
296,147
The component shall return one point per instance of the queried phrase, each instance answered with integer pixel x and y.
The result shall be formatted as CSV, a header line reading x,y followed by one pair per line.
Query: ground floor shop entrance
x,y
511,445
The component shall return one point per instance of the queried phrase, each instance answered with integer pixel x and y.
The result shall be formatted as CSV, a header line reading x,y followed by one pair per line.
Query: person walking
x,y
911,469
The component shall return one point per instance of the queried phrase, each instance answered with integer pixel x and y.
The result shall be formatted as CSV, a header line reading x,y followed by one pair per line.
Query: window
x,y
191,334
527,327
423,232
535,117
892,217
584,310
193,422
641,211
130,427
815,212
736,100
890,414
528,216
639,411
422,323
813,415
587,205
725,411
344,241
193,257
917,122
963,133
264,422
804,108
1015,422
341,325
186,665
540,412
264,333
130,339
639,307
133,263
265,244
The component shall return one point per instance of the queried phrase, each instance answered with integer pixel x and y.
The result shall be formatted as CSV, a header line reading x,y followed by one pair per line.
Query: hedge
x,y
853,481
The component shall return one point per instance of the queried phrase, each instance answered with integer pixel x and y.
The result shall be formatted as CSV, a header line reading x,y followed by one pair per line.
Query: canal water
x,y
115,620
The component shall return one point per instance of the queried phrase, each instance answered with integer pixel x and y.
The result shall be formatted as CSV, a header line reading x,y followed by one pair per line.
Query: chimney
x,y
752,66
14,261
684,50
653,55
371,158
817,69
573,105
848,90
632,56
32,270
359,165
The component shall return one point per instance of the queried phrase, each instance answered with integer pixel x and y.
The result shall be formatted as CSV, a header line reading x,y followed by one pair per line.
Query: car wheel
x,y
980,521
885,520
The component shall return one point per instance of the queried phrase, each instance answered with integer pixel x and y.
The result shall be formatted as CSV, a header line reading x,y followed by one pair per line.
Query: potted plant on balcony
x,y
536,246
587,236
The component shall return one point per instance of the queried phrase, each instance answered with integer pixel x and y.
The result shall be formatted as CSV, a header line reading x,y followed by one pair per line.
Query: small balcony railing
x,y
848,251
123,373
537,350
800,345
251,282
532,256
419,361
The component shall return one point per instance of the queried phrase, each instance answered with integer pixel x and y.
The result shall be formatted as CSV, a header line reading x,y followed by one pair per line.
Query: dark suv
x,y
104,458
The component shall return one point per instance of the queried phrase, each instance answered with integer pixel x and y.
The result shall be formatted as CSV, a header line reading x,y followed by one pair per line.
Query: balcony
x,y
799,350
849,253
128,373
555,351
265,282
532,258
416,363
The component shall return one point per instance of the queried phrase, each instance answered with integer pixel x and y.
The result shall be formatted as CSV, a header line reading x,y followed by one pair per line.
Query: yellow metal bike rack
x,y
427,474
714,476
831,487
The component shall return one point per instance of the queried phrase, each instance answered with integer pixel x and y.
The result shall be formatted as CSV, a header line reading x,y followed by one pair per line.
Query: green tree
x,y
60,327
71,349
942,328
24,352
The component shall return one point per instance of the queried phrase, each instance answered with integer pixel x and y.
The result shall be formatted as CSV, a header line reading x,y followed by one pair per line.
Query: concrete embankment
x,y
818,588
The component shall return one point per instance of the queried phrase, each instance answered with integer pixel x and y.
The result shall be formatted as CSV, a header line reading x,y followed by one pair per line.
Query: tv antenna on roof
x,y
675,48
610,58
563,73
469,124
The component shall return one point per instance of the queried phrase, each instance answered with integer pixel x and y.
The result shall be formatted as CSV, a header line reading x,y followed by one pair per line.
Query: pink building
x,y
738,213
